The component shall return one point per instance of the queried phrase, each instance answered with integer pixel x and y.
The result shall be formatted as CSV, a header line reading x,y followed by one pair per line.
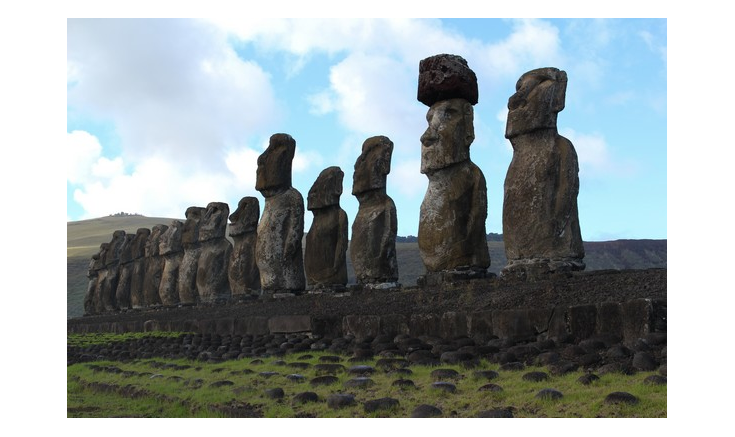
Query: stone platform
x,y
627,304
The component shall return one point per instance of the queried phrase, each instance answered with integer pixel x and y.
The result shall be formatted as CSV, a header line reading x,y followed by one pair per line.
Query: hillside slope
x,y
84,238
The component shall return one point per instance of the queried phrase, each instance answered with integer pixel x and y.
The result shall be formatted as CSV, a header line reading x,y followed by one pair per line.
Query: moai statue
x,y
122,293
153,267
108,277
243,270
187,283
452,238
326,243
540,220
172,251
373,245
138,277
278,250
96,264
213,284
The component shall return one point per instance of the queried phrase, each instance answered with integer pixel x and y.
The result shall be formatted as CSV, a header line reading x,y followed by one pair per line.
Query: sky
x,y
163,114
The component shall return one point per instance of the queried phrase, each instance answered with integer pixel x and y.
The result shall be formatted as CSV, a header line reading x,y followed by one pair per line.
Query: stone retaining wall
x,y
627,320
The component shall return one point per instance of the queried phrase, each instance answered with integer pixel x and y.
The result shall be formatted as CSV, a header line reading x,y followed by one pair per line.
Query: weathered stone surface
x,y
139,262
172,251
540,219
243,270
325,259
452,233
122,292
186,285
108,277
154,264
96,264
212,271
278,250
373,245
443,77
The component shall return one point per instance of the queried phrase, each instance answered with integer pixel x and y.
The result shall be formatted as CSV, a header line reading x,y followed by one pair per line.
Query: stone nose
x,y
429,137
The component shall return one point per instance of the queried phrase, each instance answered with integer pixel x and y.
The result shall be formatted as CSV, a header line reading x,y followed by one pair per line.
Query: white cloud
x,y
82,151
108,168
156,188
171,87
407,179
592,152
243,165
305,160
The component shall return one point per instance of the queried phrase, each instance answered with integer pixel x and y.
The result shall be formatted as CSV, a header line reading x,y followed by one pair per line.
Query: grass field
x,y
240,388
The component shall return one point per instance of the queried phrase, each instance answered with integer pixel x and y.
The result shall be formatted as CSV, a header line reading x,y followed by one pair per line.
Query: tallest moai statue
x,y
540,219
452,236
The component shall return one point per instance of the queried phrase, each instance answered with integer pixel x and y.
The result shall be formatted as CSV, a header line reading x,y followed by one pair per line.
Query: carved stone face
x,y
190,234
171,239
326,189
449,135
245,218
214,222
539,97
274,165
373,165
154,240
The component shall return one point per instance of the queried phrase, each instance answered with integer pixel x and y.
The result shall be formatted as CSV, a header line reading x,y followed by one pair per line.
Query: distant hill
x,y
83,239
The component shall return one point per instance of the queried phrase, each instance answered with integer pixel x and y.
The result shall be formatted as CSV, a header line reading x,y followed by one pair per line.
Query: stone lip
x,y
446,76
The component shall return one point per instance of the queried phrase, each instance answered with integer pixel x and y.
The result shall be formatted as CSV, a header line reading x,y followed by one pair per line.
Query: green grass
x,y
104,338
148,388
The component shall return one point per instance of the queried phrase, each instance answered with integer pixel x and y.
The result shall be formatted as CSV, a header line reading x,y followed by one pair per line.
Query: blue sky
x,y
167,114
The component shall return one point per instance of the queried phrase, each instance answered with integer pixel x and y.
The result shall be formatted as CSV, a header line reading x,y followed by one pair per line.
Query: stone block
x,y
150,326
512,324
393,324
453,324
641,317
609,319
540,319
289,324
582,321
251,326
481,325
224,326
361,326
327,326
424,324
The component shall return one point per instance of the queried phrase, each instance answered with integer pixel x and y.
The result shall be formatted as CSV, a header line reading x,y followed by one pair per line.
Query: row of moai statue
x,y
192,262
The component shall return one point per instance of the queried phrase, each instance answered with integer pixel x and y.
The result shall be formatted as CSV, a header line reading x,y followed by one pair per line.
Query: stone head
x,y
113,253
214,221
99,257
539,97
326,189
139,242
190,234
154,240
126,250
171,239
274,165
245,218
450,133
373,165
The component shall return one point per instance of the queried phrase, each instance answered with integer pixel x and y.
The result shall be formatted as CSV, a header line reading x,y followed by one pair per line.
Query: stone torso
x,y
452,226
373,245
540,219
326,246
278,249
